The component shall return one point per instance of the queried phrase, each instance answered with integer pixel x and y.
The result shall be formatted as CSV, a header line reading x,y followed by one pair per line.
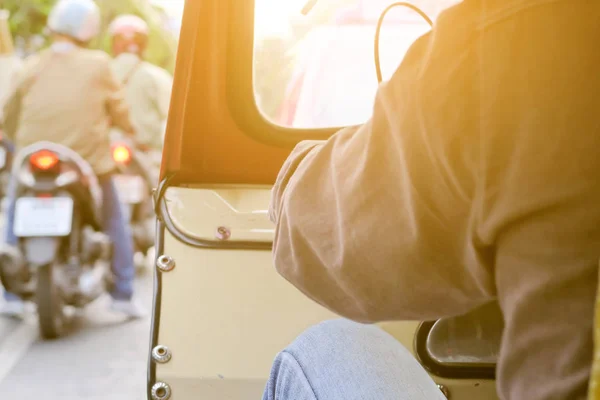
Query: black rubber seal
x,y
156,304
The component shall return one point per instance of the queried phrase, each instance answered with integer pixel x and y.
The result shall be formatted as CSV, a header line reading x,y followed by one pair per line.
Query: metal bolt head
x,y
165,263
223,233
161,354
445,390
161,391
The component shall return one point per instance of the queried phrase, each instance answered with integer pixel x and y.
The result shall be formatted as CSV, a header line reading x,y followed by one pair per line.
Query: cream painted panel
x,y
226,314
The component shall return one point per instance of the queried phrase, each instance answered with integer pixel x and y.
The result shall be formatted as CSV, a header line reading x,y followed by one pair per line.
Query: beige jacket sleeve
x,y
162,100
21,78
373,223
164,85
10,67
11,112
116,104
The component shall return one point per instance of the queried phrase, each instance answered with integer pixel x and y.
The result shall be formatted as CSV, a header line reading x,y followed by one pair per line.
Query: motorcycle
x,y
134,182
62,256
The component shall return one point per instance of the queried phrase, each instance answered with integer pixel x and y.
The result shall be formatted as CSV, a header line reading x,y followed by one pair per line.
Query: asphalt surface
x,y
103,356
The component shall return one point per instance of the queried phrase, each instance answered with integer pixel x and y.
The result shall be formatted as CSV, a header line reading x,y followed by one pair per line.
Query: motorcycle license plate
x,y
35,217
2,157
131,188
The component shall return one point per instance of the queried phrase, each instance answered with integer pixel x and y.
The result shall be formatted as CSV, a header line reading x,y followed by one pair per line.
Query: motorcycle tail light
x,y
44,160
121,154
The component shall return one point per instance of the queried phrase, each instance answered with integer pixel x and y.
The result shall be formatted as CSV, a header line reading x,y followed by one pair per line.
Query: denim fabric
x,y
116,227
10,145
344,360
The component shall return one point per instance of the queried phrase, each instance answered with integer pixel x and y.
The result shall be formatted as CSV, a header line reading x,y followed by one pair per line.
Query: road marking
x,y
14,347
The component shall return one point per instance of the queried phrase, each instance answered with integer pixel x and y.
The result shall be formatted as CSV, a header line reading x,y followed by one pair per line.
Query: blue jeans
x,y
116,227
344,360
10,146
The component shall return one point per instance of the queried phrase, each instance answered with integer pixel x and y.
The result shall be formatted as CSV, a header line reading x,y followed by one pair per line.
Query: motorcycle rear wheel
x,y
50,306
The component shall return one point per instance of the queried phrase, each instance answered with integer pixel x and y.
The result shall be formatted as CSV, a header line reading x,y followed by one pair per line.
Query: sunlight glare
x,y
273,16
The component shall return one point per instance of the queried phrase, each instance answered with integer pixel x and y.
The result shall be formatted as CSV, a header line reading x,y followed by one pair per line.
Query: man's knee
x,y
339,339
341,359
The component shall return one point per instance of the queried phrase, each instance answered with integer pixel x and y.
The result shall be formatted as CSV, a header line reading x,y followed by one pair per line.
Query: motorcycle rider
x,y
148,87
69,95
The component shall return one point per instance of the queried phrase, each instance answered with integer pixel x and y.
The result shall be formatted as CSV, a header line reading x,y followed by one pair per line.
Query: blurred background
x,y
28,25
101,354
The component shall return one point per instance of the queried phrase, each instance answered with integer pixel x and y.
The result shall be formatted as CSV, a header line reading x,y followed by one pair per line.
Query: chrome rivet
x,y
445,391
165,263
161,354
223,233
161,391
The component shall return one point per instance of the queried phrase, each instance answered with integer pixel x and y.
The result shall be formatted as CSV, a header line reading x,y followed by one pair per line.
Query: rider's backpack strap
x,y
132,72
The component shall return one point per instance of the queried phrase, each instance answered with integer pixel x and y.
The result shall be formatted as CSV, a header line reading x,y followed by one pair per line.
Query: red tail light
x,y
121,154
44,160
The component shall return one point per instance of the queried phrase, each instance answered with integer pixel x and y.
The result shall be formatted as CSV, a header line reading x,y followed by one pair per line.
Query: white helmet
x,y
79,19
128,26
129,34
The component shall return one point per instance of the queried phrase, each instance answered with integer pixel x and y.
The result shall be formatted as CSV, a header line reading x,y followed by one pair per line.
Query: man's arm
x,y
374,223
116,105
162,100
21,76
11,113
164,85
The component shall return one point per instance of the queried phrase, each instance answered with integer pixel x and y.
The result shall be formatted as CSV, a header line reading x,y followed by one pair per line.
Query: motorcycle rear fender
x,y
83,166
40,251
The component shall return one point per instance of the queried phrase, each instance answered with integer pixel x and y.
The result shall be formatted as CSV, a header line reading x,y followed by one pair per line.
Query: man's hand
x,y
143,147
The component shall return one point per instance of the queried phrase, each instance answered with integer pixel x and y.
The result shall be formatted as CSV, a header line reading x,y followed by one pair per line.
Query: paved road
x,y
102,357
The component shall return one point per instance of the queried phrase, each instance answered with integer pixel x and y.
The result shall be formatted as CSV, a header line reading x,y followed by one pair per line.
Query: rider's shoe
x,y
130,308
13,309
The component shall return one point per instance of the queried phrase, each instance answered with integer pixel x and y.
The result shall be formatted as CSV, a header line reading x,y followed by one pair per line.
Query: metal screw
x,y
223,233
161,354
165,263
161,391
445,390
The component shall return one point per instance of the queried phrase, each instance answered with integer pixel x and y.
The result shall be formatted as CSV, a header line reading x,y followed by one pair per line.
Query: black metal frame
x,y
443,370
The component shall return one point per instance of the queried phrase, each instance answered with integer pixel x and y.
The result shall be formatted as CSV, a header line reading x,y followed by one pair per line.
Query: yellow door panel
x,y
222,311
